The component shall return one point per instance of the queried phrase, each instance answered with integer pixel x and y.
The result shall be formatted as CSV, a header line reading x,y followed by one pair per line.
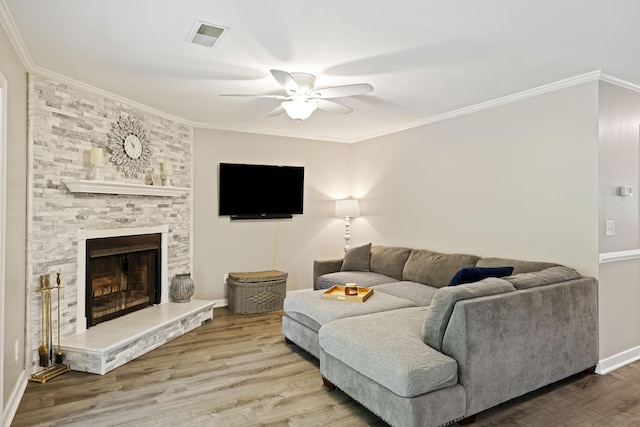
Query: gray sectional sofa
x,y
419,352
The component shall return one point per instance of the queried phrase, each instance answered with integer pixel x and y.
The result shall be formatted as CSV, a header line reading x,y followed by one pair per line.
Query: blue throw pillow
x,y
475,274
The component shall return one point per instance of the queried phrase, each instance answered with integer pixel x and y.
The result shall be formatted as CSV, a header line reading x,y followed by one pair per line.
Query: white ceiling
x,y
424,57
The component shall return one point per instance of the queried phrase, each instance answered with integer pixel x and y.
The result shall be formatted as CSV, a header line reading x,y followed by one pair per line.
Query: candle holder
x,y
167,171
96,173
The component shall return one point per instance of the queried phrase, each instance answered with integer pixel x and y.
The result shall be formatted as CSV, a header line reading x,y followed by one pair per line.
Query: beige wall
x,y
619,165
14,308
222,246
519,180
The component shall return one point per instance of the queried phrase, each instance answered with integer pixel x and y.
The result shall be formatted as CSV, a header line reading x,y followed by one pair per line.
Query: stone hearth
x,y
108,345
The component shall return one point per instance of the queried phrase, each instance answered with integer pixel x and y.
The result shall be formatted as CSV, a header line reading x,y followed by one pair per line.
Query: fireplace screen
x,y
122,276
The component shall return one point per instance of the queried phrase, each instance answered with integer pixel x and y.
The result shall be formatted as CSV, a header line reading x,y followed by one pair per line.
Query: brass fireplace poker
x,y
52,368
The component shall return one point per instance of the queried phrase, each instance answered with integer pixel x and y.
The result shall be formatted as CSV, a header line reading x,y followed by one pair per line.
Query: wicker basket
x,y
256,292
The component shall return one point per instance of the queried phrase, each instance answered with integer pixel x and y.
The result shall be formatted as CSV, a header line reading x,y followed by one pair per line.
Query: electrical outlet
x,y
224,278
609,227
16,351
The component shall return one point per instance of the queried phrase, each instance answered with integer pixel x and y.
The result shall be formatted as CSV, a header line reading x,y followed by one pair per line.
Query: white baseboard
x,y
618,360
225,302
11,407
299,290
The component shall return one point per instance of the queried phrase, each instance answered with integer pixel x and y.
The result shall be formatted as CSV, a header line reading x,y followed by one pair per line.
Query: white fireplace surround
x,y
84,235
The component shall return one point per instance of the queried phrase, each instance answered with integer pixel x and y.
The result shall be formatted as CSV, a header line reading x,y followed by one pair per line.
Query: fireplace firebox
x,y
122,276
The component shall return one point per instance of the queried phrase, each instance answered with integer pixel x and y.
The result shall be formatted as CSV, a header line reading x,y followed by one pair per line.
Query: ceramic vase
x,y
181,288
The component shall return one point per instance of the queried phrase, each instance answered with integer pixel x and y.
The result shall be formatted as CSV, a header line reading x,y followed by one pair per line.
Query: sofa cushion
x,y
434,268
475,274
388,260
415,267
541,278
312,311
518,266
416,292
357,259
388,348
361,278
444,300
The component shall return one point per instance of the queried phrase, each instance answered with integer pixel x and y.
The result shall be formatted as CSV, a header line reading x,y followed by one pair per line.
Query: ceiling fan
x,y
302,98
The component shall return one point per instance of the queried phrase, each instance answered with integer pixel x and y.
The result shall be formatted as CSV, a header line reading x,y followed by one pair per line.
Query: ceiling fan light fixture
x,y
299,109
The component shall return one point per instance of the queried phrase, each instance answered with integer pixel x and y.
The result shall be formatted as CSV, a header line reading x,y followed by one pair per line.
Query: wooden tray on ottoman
x,y
336,292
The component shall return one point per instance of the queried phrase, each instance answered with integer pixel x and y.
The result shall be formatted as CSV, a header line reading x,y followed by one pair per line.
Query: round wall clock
x,y
129,145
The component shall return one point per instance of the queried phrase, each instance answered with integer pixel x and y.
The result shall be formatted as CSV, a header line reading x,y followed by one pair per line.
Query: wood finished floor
x,y
236,371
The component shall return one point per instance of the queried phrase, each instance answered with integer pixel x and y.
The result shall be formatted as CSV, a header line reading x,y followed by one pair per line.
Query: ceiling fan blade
x,y
331,106
256,96
339,91
278,111
286,80
305,81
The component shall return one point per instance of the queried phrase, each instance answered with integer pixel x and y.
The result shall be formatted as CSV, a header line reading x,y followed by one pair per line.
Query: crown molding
x,y
241,129
608,78
43,72
14,36
530,93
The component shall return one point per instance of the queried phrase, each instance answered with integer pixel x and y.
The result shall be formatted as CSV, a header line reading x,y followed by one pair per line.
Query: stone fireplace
x,y
65,122
122,276
122,259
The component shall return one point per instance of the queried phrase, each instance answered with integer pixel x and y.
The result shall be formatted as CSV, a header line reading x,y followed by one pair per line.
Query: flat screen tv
x,y
260,191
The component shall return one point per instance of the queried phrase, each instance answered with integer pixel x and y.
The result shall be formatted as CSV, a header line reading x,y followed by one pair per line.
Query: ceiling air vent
x,y
206,34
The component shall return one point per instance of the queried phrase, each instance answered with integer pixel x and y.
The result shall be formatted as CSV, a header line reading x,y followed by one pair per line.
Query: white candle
x,y
96,157
167,167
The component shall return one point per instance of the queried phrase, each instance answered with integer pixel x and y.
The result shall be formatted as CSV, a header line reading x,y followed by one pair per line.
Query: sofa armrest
x,y
325,266
510,344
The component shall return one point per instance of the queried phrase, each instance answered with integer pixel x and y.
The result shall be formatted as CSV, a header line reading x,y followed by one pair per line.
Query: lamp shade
x,y
347,208
298,109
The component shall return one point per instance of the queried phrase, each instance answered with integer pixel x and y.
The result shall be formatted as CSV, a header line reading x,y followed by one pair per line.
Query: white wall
x,y
518,180
619,281
222,246
14,273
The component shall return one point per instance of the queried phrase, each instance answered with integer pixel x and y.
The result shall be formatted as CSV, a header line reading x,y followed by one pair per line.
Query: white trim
x,y
14,400
225,302
43,72
618,360
299,291
3,204
18,43
530,93
14,36
619,256
619,82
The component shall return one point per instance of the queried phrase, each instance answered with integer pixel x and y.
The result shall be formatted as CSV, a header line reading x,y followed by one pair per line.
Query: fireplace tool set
x,y
50,361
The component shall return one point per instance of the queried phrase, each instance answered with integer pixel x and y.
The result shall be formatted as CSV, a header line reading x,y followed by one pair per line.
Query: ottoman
x,y
307,312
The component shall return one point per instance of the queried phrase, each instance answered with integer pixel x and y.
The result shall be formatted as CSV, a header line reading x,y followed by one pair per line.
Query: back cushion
x,y
357,259
388,260
518,266
435,269
439,312
545,277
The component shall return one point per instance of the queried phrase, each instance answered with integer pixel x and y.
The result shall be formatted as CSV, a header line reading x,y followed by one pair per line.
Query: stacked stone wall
x,y
66,121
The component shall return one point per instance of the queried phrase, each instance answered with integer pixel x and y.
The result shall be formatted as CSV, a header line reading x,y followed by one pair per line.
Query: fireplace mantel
x,y
112,187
